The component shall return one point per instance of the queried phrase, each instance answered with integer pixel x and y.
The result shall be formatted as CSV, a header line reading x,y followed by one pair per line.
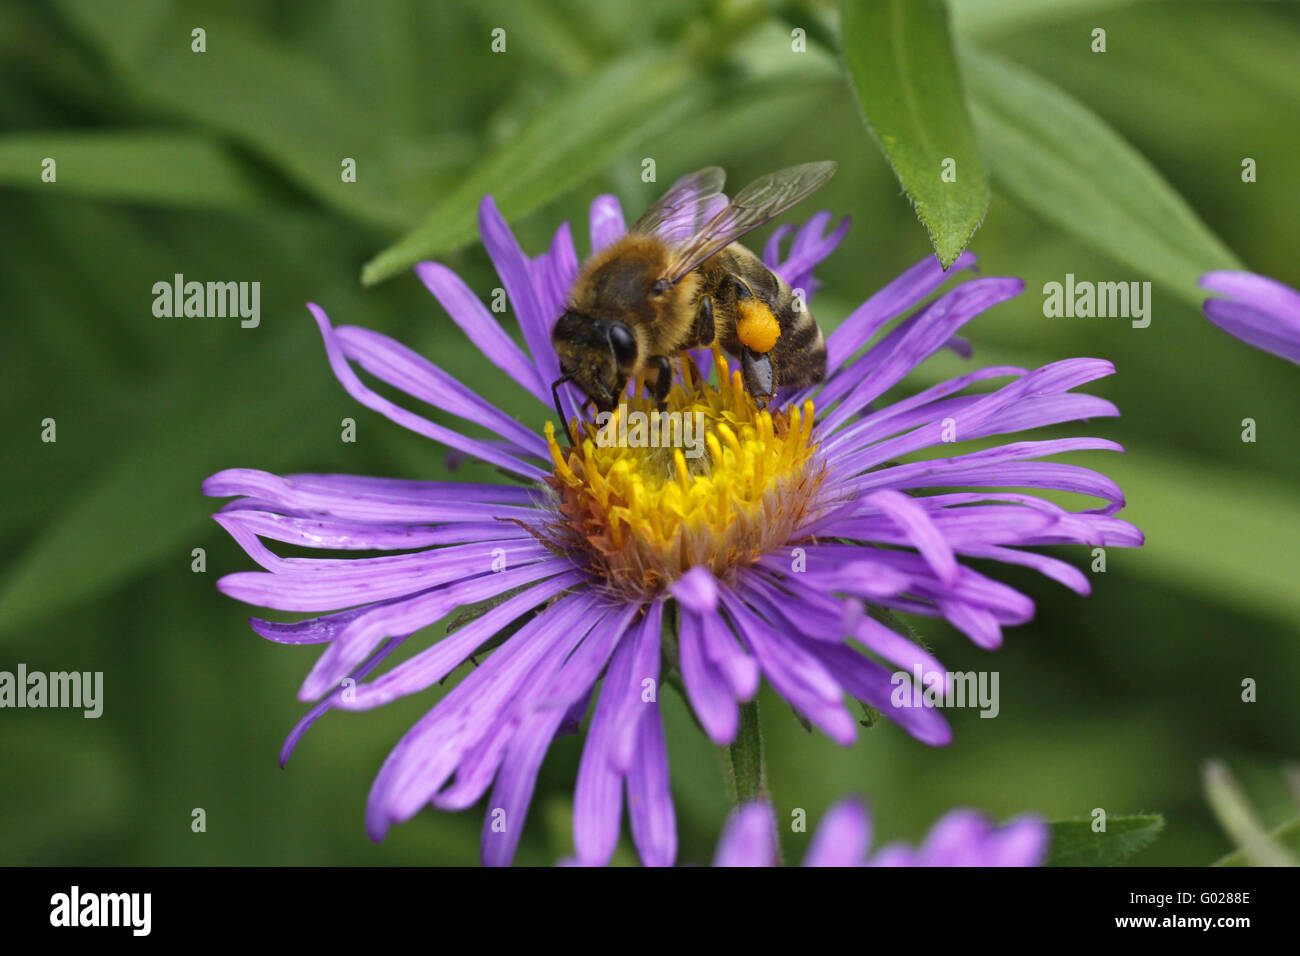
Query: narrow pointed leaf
x,y
902,67
1285,837
569,139
1052,155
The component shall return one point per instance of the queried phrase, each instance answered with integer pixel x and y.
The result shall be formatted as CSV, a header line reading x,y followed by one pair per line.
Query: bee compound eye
x,y
622,342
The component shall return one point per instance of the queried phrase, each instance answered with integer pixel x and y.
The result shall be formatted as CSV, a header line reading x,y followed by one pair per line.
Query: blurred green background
x,y
225,166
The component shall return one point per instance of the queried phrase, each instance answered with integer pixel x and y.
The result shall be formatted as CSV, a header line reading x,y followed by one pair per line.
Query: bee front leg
x,y
756,369
663,373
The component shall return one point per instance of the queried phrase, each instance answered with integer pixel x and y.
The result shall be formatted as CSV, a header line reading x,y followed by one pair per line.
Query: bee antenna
x,y
555,394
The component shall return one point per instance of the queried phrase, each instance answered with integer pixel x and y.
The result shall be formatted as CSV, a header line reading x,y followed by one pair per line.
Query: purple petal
x,y
898,650
516,275
355,498
1012,474
597,797
515,782
606,222
810,247
402,618
772,248
1054,568
555,684
650,801
913,341
842,837
874,685
915,522
360,535
1020,842
319,710
973,417
893,300
749,838
401,416
482,329
891,419
415,375
554,272
955,840
1266,315
794,672
977,623
310,584
427,754
434,663
1264,292
697,590
710,696
632,703
740,671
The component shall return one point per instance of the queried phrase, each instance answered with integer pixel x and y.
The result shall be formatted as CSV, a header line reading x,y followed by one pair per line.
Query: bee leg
x,y
663,371
555,394
756,368
704,330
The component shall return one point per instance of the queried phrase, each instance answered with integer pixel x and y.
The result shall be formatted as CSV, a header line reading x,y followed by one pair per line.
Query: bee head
x,y
599,355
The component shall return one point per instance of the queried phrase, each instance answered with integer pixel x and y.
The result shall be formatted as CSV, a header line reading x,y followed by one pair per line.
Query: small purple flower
x,y
1258,310
754,560
843,838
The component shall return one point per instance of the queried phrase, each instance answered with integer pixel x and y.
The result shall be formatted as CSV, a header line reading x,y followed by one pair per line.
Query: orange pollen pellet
x,y
757,327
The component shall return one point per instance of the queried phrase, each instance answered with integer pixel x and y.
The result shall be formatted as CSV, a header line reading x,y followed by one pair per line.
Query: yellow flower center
x,y
711,480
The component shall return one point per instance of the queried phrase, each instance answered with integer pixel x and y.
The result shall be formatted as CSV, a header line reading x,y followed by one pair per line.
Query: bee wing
x,y
682,211
761,201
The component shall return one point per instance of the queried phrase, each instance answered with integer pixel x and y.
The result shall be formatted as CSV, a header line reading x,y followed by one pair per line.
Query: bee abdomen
x,y
801,351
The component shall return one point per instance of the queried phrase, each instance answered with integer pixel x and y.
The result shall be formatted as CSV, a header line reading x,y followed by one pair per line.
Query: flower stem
x,y
746,773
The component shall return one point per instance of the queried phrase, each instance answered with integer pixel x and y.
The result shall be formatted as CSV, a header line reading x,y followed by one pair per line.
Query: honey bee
x,y
679,279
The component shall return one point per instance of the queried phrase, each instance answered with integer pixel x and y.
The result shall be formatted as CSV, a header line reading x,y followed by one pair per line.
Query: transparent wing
x,y
682,211
761,201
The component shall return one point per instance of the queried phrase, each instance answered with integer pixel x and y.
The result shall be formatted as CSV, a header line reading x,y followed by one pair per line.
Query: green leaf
x,y
1287,837
278,102
1239,819
989,17
166,168
1055,157
569,139
1075,844
902,67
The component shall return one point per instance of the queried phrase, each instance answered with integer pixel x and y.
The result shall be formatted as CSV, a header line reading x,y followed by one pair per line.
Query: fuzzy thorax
x,y
642,516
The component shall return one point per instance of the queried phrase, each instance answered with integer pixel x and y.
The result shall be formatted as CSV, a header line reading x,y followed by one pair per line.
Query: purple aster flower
x,y
620,566
1258,310
960,838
